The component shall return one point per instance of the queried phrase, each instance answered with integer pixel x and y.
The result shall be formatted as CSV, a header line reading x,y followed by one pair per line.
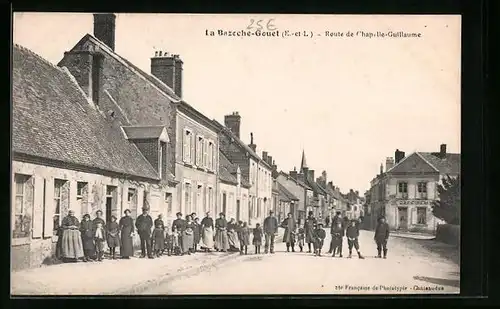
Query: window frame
x,y
25,179
57,198
419,215
187,137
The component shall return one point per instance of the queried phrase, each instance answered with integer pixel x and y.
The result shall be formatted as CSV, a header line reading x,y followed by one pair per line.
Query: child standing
x,y
158,238
99,241
301,239
113,230
352,233
245,238
257,238
196,234
319,237
169,241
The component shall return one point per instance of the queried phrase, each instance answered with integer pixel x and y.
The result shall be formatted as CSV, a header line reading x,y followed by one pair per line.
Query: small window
x,y
59,194
131,194
422,187
422,215
168,201
81,188
403,187
21,227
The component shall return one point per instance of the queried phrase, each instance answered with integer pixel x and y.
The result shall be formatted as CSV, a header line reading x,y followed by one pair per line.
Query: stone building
x,y
286,202
140,99
406,190
70,153
257,170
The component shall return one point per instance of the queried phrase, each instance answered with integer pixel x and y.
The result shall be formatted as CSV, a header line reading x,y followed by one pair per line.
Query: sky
x,y
348,102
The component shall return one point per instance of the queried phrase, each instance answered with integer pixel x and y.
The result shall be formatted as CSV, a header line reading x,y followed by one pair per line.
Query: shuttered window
x,y
23,206
205,154
186,146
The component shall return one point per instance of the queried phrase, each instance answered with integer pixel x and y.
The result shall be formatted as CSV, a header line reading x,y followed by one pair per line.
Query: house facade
x,y
233,190
70,154
286,202
254,168
299,189
406,191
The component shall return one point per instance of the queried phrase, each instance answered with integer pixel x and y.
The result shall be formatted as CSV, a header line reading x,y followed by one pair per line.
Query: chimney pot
x,y
168,70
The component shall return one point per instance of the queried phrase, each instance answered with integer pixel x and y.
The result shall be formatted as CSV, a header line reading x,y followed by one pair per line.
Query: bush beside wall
x,y
449,234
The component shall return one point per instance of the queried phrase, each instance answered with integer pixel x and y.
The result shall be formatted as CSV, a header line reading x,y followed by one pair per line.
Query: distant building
x,y
319,200
300,190
257,170
287,202
404,193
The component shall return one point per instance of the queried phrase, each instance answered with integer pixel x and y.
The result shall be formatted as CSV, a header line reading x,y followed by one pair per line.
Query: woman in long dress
x,y
232,236
126,233
221,241
207,232
187,235
71,242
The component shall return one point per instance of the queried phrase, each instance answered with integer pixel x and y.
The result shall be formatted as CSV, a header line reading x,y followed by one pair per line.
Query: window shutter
x,y
431,190
48,224
124,200
193,150
72,199
205,153
38,206
184,146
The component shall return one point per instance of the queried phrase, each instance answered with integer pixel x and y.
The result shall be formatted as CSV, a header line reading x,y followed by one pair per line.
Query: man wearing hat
x,y
144,225
381,236
309,230
270,231
336,218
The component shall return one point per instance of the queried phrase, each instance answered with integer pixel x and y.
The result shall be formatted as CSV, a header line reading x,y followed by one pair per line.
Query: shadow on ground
x,y
445,251
440,281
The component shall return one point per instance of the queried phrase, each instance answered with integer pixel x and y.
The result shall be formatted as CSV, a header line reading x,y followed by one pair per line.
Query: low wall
x,y
449,234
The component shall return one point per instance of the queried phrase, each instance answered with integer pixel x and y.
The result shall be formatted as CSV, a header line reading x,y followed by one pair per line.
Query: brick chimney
x,y
168,68
233,122
310,175
399,155
442,151
389,163
293,173
104,28
252,145
270,160
264,156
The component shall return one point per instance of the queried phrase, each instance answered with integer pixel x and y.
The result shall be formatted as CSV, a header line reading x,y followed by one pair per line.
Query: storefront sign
x,y
414,202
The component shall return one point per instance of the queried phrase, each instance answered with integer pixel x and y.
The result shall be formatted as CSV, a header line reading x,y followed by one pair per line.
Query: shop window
x,y
422,215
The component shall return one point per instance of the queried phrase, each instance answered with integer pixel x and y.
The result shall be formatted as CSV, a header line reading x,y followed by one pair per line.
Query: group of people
x,y
87,239
314,235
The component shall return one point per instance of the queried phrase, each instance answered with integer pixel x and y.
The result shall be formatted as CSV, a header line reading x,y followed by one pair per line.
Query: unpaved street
x,y
410,268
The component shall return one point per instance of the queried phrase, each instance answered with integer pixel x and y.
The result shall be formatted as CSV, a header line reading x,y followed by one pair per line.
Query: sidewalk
x,y
113,276
413,235
108,277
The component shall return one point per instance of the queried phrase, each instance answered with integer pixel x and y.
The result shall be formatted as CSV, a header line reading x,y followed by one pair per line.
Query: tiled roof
x,y
143,132
286,195
275,187
227,171
297,181
152,79
242,145
449,165
52,119
315,186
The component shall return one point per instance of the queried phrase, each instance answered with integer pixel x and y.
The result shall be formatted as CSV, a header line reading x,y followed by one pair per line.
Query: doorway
x,y
110,203
237,210
403,218
224,203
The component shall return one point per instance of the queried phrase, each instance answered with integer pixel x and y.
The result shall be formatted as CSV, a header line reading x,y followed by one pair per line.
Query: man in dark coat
x,y
289,236
309,224
335,219
337,232
270,231
352,233
381,237
144,224
178,226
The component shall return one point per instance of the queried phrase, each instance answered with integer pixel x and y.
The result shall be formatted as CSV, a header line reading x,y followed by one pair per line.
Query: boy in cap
x,y
319,237
381,236
352,233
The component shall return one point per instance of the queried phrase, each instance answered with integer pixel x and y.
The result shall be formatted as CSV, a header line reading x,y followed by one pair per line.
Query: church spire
x,y
303,163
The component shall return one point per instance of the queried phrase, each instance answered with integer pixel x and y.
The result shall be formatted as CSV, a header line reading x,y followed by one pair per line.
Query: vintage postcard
x,y
235,154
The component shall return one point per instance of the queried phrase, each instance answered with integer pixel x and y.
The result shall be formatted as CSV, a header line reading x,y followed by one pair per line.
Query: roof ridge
x,y
124,62
37,55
